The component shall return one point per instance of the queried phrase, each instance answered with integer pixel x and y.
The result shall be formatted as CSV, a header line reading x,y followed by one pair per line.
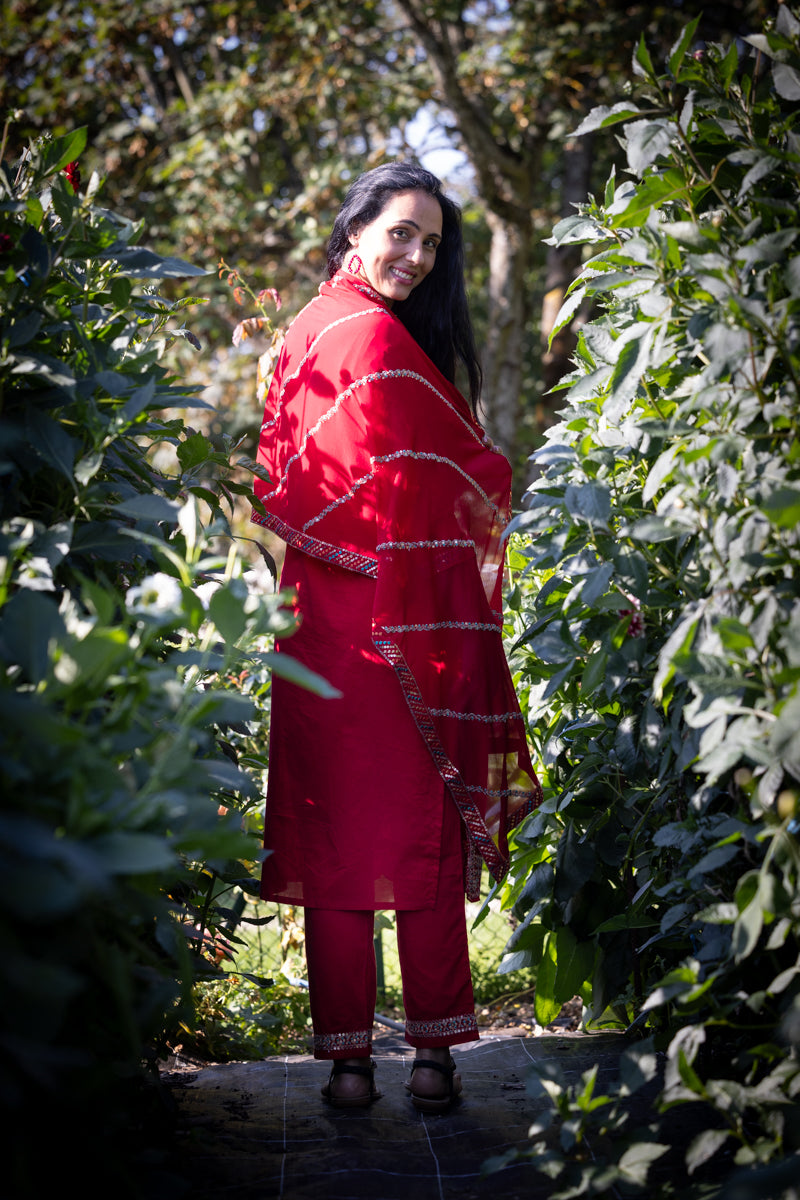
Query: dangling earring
x,y
355,266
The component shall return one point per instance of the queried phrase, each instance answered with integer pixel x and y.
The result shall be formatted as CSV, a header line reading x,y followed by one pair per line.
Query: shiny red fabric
x,y
377,467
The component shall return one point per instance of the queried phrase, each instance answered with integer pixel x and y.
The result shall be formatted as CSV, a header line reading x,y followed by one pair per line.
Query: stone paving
x,y
261,1129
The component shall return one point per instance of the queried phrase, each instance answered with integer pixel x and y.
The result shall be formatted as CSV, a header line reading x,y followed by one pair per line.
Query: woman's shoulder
x,y
342,318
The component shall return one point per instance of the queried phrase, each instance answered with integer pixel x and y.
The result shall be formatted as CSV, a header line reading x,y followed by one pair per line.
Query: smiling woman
x,y
398,249
393,504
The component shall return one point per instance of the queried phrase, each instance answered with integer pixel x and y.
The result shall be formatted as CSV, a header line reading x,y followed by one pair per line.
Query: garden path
x,y
260,1129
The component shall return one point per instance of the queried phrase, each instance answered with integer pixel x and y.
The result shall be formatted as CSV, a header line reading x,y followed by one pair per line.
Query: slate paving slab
x,y
261,1129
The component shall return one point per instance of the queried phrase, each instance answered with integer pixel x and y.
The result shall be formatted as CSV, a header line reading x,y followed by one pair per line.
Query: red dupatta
x,y
376,464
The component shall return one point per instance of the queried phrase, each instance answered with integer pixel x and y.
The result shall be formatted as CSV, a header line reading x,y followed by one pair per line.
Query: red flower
x,y
73,174
636,623
6,243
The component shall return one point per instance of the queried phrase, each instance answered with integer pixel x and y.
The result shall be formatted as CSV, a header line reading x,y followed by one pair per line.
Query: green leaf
x,y
645,141
53,443
704,1146
130,853
594,673
574,964
782,507
30,627
642,62
689,1075
63,150
635,1163
296,672
591,501
146,264
678,52
227,775
660,471
227,612
787,80
654,191
603,116
193,451
566,312
150,508
546,1006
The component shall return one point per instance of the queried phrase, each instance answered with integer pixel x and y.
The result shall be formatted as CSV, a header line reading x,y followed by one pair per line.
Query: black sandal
x,y
358,1101
435,1104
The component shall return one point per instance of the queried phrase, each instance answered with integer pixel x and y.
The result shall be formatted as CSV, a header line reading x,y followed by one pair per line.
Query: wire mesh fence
x,y
277,950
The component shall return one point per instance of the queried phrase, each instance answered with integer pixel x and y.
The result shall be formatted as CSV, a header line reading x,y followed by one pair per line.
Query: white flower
x,y
157,595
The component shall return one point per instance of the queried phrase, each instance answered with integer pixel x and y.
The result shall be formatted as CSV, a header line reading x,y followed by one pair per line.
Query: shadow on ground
x,y
261,1129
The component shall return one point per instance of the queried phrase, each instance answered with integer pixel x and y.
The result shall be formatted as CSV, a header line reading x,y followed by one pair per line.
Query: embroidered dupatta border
x,y
480,839
326,551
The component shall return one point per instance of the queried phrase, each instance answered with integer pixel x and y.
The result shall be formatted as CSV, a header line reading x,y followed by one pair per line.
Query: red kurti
x,y
393,511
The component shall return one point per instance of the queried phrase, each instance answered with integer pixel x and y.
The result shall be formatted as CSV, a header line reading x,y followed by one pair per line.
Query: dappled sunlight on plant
x,y
653,625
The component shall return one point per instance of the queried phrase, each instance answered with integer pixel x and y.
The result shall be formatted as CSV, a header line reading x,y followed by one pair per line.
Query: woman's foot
x,y
434,1083
351,1083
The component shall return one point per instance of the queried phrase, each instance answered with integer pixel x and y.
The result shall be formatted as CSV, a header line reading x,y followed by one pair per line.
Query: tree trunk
x,y
563,264
508,315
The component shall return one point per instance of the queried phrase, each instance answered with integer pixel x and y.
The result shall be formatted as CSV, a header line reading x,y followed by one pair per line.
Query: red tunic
x,y
393,510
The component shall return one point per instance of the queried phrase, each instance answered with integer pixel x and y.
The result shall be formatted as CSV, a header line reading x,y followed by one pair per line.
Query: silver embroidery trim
x,y
341,500
428,456
463,716
479,625
440,1027
362,312
434,544
496,793
355,1040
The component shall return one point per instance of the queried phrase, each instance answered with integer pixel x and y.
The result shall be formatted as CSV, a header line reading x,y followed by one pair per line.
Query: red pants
x,y
434,963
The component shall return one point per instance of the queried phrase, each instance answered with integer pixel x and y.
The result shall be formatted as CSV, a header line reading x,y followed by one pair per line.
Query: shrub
x,y
658,609
134,658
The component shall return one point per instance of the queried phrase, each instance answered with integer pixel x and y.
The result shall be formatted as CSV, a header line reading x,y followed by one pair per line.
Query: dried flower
x,y
274,293
73,174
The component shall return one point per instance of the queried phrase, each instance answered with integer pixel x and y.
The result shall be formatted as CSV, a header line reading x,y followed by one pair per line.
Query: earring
x,y
355,266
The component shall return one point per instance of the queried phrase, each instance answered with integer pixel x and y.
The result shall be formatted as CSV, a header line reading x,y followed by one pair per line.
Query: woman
x,y
392,503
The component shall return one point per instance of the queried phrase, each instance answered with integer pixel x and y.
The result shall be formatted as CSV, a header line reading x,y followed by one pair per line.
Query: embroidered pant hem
x,y
434,963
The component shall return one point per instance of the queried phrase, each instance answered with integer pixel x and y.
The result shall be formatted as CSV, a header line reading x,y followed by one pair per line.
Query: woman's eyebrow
x,y
408,221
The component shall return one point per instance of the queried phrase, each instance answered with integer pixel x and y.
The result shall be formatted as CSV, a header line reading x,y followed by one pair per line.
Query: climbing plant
x,y
657,624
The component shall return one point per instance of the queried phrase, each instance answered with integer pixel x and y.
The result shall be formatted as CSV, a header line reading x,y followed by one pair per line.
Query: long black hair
x,y
436,312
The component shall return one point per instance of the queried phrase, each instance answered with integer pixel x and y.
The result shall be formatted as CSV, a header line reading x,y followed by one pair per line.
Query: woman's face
x,y
398,249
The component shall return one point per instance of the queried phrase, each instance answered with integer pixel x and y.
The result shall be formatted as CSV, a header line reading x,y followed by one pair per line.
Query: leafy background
x,y
652,625
655,622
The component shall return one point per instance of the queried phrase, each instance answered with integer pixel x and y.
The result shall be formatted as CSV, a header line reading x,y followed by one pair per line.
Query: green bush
x,y
135,660
658,611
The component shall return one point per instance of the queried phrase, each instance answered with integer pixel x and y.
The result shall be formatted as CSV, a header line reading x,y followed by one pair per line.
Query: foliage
x,y
234,128
135,657
657,609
